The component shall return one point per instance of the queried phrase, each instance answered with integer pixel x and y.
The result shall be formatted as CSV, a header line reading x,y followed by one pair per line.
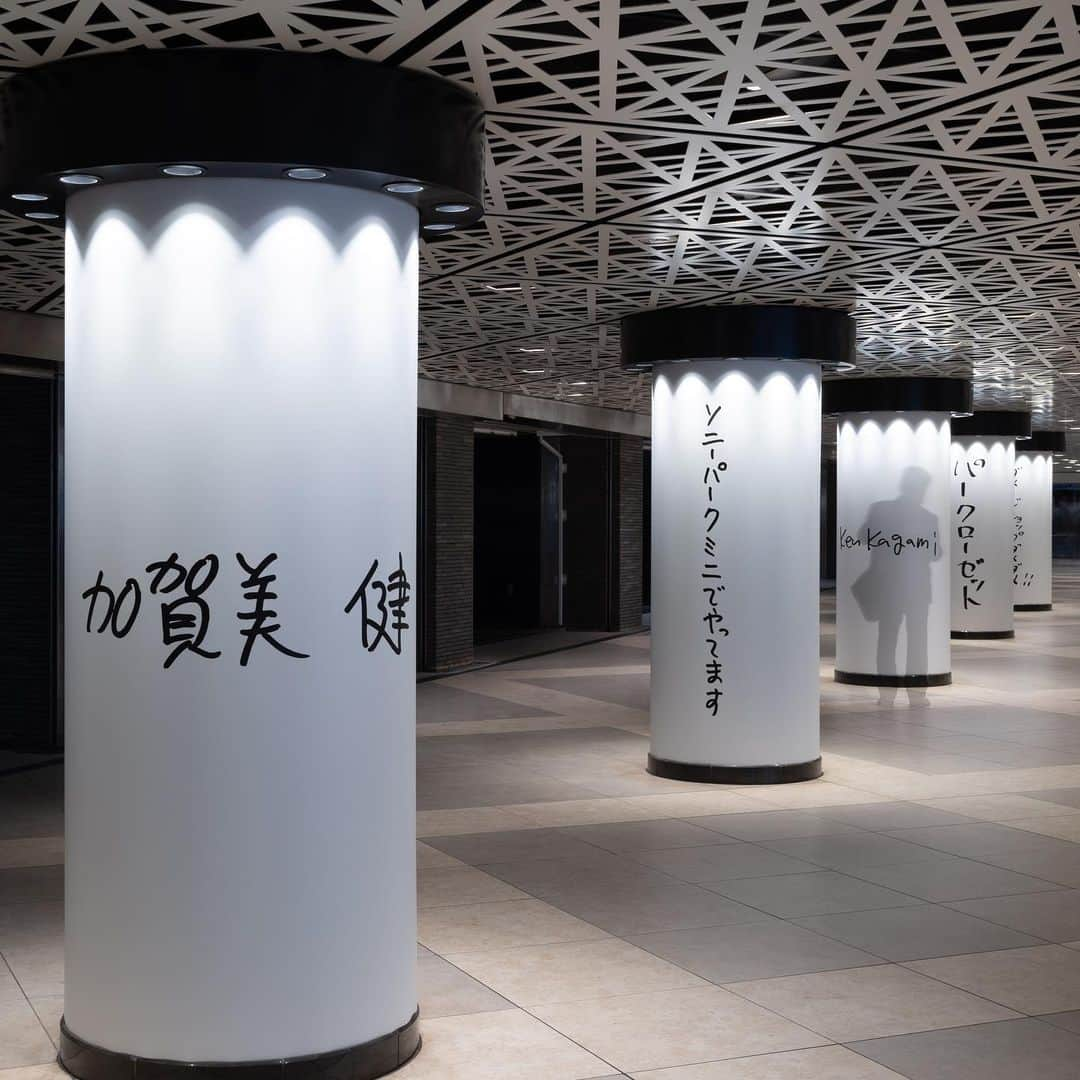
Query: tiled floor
x,y
914,913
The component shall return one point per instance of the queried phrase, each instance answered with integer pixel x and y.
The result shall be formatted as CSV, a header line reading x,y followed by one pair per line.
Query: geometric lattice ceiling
x,y
916,162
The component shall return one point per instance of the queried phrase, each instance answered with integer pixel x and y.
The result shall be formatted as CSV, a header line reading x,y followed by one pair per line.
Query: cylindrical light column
x,y
240,572
1033,520
892,528
983,458
736,430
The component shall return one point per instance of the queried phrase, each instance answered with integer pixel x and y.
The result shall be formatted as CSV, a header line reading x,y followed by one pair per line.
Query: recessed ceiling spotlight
x,y
453,208
305,172
30,196
182,170
439,226
581,382
503,288
533,371
753,86
42,215
575,395
79,179
531,348
403,187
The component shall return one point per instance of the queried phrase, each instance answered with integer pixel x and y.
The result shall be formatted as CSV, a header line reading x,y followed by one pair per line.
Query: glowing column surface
x,y
736,432
1033,513
983,459
893,522
240,618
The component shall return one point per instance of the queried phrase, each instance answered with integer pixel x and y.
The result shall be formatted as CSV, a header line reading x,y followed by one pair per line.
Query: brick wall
x,y
627,541
450,539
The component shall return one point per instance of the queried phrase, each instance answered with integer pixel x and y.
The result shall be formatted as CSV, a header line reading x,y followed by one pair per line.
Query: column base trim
x,y
859,678
985,634
1033,607
735,774
364,1061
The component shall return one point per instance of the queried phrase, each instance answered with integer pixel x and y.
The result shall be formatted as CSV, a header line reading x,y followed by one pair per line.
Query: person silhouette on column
x,y
895,588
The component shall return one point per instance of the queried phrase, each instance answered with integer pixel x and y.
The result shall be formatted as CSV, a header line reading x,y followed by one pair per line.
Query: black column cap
x,y
1012,422
905,393
739,331
1043,442
121,116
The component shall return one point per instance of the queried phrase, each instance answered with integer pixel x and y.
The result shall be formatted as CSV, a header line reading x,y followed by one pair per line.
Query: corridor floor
x,y
915,913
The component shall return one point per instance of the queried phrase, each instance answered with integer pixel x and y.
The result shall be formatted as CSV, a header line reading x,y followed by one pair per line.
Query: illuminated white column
x,y
240,523
893,523
892,568
735,542
1033,514
983,458
735,535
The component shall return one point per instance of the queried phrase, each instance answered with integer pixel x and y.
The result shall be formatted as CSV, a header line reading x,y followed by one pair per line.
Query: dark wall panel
x,y
588,536
445,542
1067,521
507,536
28,563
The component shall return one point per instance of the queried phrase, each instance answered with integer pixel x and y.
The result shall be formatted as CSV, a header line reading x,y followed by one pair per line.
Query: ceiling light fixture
x,y
439,226
403,187
78,179
42,215
30,196
182,170
305,172
453,208
531,349
503,288
533,371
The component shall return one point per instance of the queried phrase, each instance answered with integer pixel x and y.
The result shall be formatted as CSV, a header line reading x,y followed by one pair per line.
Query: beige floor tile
x,y
428,857
505,1045
1041,979
49,1010
544,974
869,1003
819,1063
999,808
470,820
33,923
23,1041
579,812
9,988
31,851
500,925
694,804
1064,828
451,885
48,1071
446,990
674,1027
38,967
807,796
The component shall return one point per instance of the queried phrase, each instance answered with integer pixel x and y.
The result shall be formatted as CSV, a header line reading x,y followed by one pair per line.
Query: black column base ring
x,y
1033,607
983,634
861,678
735,774
364,1061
